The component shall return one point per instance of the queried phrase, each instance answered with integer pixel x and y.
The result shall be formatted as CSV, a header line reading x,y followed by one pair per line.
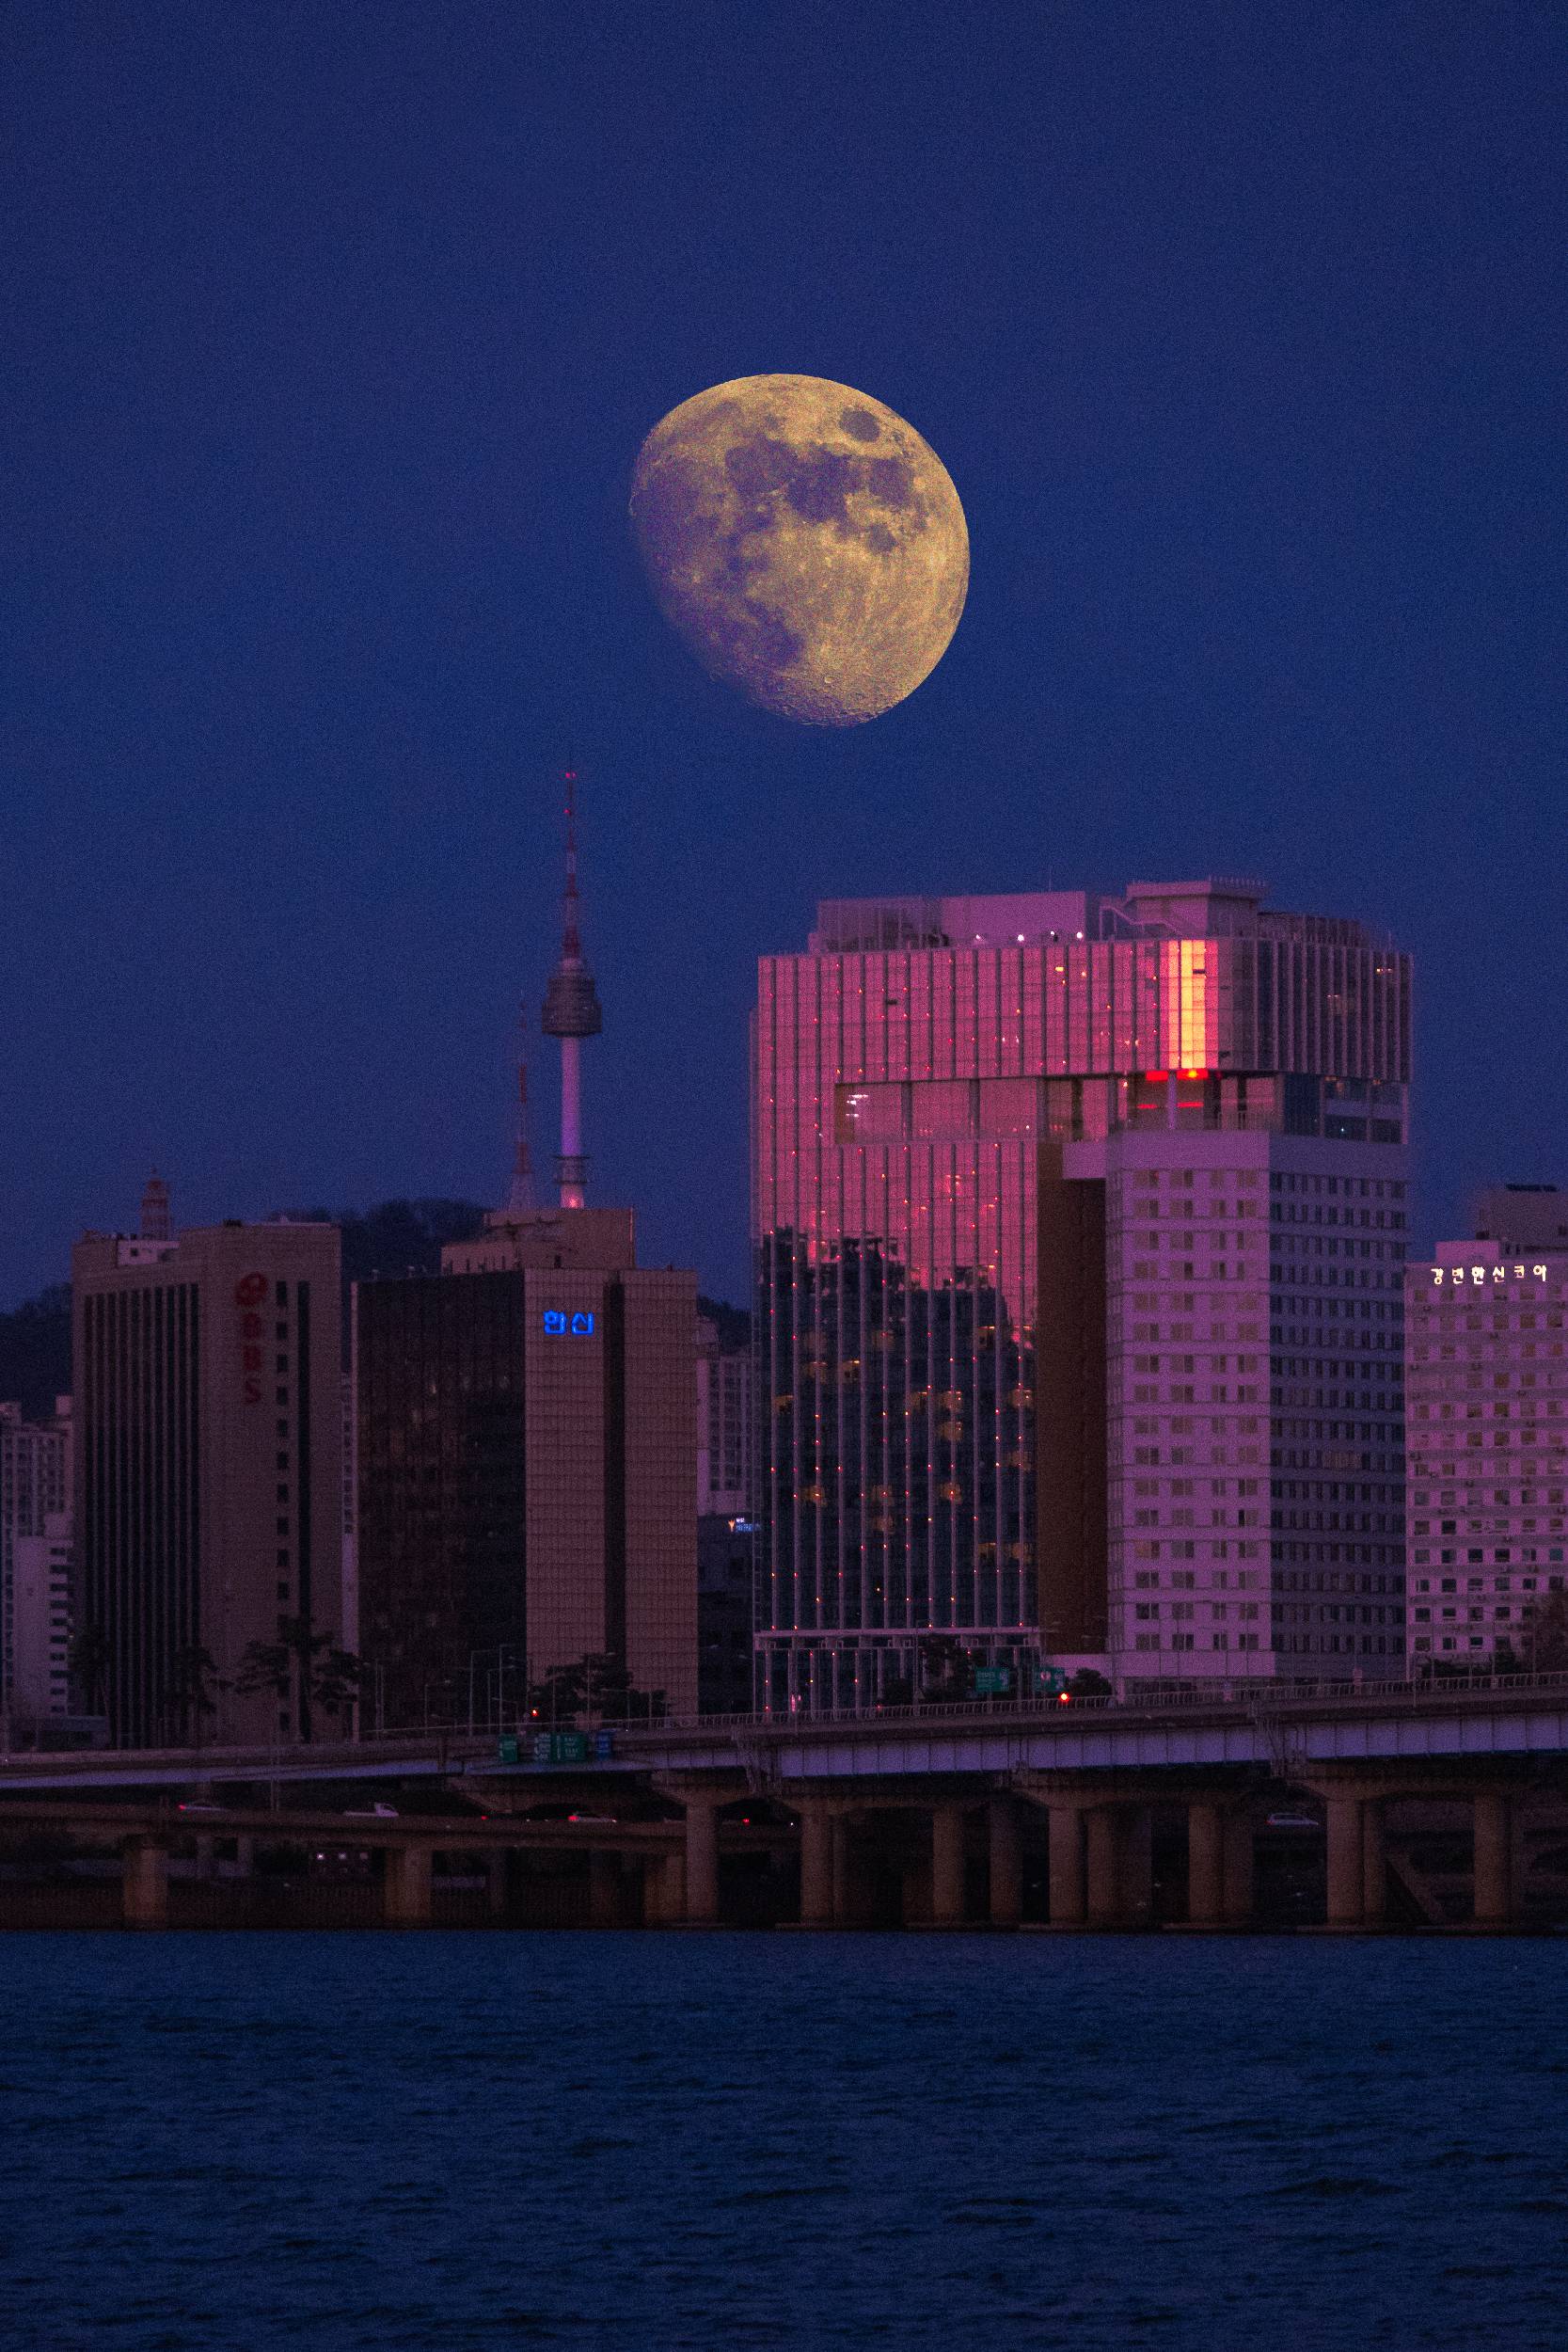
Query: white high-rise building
x,y
1487,1400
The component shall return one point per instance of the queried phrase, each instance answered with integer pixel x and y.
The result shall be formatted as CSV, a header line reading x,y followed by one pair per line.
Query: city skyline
x,y
676,1509
325,564
1434,1209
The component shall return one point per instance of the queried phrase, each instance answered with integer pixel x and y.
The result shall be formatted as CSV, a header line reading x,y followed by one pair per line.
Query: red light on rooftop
x,y
1156,1077
1195,1073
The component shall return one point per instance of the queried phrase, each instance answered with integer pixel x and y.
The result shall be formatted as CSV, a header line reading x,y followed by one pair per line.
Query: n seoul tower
x,y
571,1013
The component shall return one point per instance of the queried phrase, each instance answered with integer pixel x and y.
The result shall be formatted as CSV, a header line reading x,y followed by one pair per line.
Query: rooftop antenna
x,y
155,1210
571,1013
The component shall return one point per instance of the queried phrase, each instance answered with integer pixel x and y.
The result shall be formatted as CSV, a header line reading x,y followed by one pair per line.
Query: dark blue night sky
x,y
332,332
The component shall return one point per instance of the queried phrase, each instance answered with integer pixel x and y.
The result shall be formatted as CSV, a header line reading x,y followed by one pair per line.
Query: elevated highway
x,y
1278,1725
958,1797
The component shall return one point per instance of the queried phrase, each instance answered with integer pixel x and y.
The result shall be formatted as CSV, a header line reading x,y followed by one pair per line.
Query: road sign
x,y
604,1746
560,1747
1051,1679
506,1751
991,1681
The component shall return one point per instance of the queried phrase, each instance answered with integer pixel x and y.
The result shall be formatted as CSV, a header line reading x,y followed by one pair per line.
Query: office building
x,y
526,1470
1487,1389
726,1574
34,1568
724,1419
208,1468
1079,1228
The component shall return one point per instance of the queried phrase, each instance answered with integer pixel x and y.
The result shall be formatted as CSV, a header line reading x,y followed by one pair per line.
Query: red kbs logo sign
x,y
250,1291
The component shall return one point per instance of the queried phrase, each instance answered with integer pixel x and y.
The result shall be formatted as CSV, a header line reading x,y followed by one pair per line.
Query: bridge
x,y
1072,1817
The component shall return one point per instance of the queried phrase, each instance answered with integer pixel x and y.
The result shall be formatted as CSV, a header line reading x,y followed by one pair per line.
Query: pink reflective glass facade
x,y
912,1076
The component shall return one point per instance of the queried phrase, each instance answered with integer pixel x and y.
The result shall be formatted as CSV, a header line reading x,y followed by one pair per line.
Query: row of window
x,y
1189,1641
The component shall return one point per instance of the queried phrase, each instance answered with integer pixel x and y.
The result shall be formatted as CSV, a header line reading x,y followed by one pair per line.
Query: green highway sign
x,y
560,1747
991,1681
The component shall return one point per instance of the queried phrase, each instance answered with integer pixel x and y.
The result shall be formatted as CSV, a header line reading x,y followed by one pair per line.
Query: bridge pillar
x,y
1239,1867
816,1866
1136,1865
1205,1865
1104,1872
701,1862
604,1889
1068,1904
407,1887
663,1889
1494,1858
1346,1869
1374,1863
496,1882
1005,1900
851,1897
144,1885
947,1866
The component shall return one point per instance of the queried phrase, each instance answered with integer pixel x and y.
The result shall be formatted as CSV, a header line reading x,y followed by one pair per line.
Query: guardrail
x,y
1248,1695
1252,1697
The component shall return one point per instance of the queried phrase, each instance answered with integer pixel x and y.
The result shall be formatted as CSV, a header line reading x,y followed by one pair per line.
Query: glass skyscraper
x,y
1079,1227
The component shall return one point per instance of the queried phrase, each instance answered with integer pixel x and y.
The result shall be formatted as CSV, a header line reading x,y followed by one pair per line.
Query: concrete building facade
x,y
1079,1228
1487,1387
208,1467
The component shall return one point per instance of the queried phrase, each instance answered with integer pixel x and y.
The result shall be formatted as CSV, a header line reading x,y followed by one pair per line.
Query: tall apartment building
x,y
1487,1389
527,1460
724,1423
35,1566
208,1470
1079,1229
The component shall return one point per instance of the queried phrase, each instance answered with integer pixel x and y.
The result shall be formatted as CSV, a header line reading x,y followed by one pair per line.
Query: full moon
x,y
805,541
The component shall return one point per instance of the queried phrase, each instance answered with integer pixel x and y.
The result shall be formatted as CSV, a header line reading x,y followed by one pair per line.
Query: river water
x,y
636,2142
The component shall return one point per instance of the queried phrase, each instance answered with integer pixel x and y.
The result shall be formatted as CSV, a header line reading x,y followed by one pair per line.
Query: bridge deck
x,y
1289,1729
